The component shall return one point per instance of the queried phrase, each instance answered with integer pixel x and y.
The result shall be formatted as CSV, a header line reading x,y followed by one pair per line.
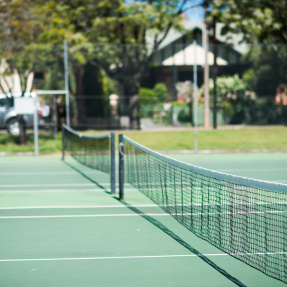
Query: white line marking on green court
x,y
32,173
136,214
138,257
57,190
76,207
81,216
53,190
54,184
50,184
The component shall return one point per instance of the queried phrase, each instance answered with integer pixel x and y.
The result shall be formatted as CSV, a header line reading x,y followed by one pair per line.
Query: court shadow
x,y
87,177
184,244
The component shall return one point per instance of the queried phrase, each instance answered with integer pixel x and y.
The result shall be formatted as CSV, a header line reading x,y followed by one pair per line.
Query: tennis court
x,y
61,226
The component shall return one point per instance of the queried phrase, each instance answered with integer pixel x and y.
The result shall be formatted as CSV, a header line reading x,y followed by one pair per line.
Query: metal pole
x,y
174,81
67,83
121,167
113,175
55,122
215,71
36,133
63,142
206,75
195,97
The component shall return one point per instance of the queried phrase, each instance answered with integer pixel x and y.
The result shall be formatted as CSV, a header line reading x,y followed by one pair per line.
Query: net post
x,y
121,167
113,175
63,142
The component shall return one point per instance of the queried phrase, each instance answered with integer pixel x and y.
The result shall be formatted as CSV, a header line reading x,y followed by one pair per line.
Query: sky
x,y
193,10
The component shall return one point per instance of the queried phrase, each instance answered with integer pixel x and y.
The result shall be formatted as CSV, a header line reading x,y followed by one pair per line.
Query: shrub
x,y
160,92
147,97
153,96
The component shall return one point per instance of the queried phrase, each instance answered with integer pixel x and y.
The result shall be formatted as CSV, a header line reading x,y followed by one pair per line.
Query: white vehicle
x,y
8,114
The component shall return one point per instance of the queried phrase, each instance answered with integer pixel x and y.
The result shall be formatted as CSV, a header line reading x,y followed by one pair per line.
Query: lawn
x,y
220,139
47,143
244,138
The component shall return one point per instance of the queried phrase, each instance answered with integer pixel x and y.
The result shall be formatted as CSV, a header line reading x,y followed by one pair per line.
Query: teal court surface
x,y
61,226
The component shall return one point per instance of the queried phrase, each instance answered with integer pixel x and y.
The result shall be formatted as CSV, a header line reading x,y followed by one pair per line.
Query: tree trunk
x,y
81,109
23,135
134,112
130,90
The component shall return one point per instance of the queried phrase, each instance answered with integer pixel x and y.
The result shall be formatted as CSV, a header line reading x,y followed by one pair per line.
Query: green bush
x,y
160,91
266,112
261,111
147,97
243,106
153,96
184,116
228,112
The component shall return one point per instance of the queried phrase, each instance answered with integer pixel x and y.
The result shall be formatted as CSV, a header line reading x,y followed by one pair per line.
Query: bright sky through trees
x,y
193,9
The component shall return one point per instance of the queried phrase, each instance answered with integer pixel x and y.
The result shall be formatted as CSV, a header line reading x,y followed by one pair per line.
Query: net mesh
x,y
91,151
243,217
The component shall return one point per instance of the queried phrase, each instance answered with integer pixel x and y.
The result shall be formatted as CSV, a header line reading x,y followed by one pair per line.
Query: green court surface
x,y
61,226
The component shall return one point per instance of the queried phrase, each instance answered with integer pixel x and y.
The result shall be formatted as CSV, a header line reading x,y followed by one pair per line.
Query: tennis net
x,y
96,152
243,217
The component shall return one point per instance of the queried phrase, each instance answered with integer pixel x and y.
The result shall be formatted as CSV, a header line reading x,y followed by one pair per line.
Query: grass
x,y
221,139
47,145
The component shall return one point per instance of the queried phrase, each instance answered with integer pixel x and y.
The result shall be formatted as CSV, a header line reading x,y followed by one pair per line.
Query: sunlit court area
x,y
143,143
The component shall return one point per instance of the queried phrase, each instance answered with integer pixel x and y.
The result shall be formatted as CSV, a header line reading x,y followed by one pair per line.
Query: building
x,y
180,51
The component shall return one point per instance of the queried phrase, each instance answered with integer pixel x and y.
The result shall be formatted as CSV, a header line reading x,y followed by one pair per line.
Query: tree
x,y
19,30
113,35
263,25
260,21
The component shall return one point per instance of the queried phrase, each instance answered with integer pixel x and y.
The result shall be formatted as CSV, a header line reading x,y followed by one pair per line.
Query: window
x,y
6,102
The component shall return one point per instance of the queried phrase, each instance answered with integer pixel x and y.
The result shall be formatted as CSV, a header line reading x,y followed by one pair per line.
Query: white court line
x,y
51,184
82,216
143,215
229,170
143,205
55,184
32,173
52,190
150,205
57,190
82,207
139,257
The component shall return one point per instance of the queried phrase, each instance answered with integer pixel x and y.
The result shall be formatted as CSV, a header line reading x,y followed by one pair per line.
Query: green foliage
x,y
19,32
185,115
152,104
160,114
258,21
228,112
241,108
160,91
178,104
153,96
147,97
262,111
227,88
241,105
269,65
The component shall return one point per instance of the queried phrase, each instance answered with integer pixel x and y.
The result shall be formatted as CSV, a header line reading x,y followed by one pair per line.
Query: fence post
x,y
121,167
113,175
63,142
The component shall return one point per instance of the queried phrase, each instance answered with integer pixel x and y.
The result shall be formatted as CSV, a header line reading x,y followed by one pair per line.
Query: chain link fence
x,y
112,85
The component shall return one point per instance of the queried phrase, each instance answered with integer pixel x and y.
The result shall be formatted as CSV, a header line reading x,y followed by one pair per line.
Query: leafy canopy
x,y
260,21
